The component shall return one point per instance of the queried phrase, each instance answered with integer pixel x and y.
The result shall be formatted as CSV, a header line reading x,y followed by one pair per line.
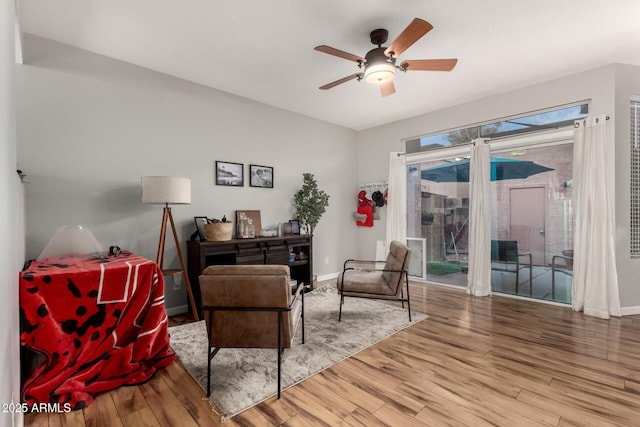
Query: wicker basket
x,y
218,231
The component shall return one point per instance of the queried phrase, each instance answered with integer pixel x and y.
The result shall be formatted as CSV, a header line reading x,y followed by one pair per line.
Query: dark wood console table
x,y
261,250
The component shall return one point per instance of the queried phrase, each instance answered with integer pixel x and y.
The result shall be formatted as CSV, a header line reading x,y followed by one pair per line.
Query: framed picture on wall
x,y
228,173
260,176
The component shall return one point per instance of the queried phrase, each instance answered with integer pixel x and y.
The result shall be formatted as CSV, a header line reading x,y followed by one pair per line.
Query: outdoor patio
x,y
505,282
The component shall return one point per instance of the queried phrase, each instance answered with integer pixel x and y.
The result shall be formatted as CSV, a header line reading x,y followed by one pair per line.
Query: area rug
x,y
242,378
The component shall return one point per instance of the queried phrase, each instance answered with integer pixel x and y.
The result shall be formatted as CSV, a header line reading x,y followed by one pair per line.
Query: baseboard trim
x,y
624,311
630,311
172,311
327,277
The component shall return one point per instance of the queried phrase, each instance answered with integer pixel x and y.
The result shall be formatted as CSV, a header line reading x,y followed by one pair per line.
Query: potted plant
x,y
310,202
427,217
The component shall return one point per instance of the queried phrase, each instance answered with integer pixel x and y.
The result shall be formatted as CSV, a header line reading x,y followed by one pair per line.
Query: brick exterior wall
x,y
450,215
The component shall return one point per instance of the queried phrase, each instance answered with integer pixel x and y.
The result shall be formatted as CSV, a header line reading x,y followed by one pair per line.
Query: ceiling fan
x,y
380,63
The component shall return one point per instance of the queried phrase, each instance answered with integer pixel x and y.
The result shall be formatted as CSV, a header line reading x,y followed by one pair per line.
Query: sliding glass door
x,y
532,223
438,217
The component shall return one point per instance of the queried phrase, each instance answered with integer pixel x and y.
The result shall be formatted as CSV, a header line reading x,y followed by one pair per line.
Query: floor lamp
x,y
169,190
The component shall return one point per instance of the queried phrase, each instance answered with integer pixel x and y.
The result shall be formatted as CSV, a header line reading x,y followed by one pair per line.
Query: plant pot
x,y
218,231
427,221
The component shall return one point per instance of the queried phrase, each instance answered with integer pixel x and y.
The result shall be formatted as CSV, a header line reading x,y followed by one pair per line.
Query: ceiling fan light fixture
x,y
380,69
380,73
380,62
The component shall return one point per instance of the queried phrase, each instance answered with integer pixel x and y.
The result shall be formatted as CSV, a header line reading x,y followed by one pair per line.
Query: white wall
x,y
11,223
608,88
91,126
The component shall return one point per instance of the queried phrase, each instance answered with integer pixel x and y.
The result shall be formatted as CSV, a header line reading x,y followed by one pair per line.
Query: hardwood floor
x,y
473,362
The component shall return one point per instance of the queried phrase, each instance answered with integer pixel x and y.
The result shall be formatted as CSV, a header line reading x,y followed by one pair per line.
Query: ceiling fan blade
x,y
340,81
387,88
429,64
416,29
339,53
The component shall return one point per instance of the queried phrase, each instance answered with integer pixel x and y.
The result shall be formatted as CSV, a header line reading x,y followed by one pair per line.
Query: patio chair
x,y
560,264
363,279
250,306
505,257
522,233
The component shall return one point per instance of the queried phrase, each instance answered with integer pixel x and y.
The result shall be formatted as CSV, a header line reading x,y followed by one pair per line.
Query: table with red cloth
x,y
98,323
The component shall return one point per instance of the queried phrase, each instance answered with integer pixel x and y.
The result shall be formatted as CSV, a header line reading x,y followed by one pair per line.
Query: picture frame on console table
x,y
200,222
229,173
243,218
260,176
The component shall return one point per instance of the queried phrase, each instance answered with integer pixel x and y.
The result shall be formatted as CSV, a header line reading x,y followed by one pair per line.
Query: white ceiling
x,y
263,49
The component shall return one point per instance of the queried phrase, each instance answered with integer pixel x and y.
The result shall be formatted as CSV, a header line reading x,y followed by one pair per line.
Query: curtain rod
x,y
485,140
577,123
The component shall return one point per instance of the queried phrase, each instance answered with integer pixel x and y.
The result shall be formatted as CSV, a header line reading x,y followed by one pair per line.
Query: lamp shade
x,y
166,190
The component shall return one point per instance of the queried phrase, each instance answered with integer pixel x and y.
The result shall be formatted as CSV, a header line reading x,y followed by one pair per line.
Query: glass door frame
x,y
537,140
413,160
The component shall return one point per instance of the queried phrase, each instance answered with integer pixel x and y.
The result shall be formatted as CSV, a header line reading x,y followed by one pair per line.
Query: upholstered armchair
x,y
250,306
362,279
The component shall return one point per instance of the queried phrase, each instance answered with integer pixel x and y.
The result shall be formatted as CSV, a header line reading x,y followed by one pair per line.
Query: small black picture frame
x,y
200,222
260,176
295,226
229,173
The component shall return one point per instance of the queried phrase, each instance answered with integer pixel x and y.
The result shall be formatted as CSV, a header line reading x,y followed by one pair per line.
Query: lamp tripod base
x,y
168,216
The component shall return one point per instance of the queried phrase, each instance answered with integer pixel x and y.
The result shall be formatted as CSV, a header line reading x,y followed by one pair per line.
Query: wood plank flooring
x,y
473,362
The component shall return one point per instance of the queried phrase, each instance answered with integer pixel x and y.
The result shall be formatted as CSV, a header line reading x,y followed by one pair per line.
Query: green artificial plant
x,y
310,202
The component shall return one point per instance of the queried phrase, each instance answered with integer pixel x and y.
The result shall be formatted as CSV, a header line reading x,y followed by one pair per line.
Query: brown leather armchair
x,y
250,306
362,279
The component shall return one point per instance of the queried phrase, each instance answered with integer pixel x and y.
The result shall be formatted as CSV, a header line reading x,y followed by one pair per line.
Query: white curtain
x,y
479,276
397,199
595,279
